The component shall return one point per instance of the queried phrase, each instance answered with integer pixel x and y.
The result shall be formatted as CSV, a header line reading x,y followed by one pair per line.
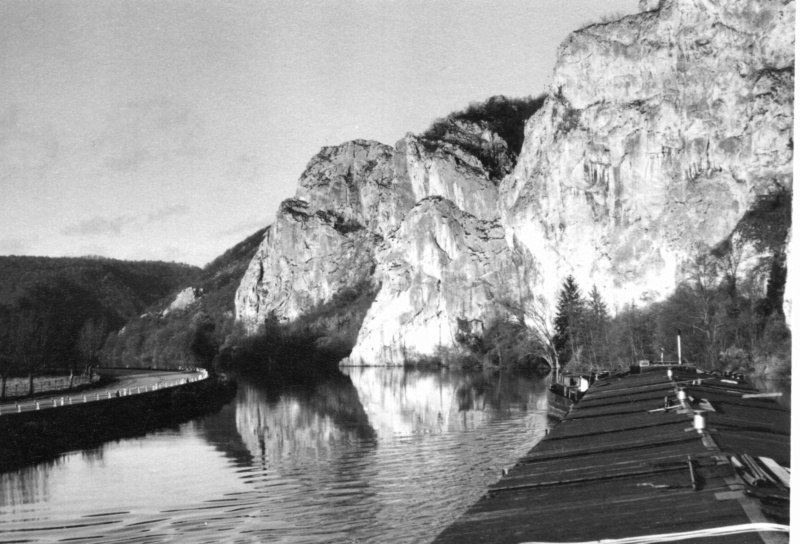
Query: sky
x,y
171,130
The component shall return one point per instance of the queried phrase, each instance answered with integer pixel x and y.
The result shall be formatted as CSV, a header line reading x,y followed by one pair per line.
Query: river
x,y
361,455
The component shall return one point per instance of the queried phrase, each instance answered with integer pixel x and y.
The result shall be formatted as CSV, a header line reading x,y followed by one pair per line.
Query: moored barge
x,y
668,454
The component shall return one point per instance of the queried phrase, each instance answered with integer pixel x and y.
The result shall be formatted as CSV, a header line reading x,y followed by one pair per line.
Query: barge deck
x,y
634,460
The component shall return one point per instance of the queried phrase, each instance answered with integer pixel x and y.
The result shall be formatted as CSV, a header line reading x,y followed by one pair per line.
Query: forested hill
x,y
127,287
189,328
46,302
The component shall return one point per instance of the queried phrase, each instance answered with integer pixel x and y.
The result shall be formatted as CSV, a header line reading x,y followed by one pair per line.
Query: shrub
x,y
323,336
505,117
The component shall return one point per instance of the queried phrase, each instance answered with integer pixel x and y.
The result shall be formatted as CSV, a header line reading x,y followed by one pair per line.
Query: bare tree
x,y
90,341
30,335
7,360
533,312
705,315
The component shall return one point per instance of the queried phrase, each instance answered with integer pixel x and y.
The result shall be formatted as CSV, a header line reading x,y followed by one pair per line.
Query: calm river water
x,y
365,455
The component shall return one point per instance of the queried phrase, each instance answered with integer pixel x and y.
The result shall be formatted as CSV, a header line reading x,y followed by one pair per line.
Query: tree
x,y
30,334
537,332
204,345
91,338
705,313
570,313
597,323
7,359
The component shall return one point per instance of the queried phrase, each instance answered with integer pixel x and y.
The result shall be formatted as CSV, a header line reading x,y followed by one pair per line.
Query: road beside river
x,y
125,382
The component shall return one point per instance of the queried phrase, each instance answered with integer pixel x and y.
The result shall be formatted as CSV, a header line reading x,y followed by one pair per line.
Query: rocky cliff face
x,y
420,219
324,240
443,272
661,132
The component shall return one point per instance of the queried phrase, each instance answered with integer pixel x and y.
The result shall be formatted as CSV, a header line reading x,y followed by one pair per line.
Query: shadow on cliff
x,y
312,344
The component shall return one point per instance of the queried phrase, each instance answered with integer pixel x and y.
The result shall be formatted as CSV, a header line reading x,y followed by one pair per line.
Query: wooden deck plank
x,y
611,469
587,427
571,468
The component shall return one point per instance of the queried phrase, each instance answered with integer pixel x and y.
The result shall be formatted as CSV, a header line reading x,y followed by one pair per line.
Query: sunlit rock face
x,y
662,130
352,221
324,239
443,270
447,170
183,300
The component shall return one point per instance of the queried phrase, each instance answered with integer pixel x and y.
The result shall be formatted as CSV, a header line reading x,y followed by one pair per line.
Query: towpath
x,y
127,382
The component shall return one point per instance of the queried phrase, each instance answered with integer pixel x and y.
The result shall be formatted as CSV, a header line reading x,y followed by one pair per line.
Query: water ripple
x,y
368,458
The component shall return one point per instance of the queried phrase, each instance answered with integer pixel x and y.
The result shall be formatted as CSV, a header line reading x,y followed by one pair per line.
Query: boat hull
x,y
558,405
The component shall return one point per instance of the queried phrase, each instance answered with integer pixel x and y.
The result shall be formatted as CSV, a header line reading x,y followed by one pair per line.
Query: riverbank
x,y
45,429
377,455
630,461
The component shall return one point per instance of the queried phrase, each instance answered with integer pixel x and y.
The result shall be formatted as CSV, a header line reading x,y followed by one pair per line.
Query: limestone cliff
x,y
324,240
662,130
352,215
665,136
443,271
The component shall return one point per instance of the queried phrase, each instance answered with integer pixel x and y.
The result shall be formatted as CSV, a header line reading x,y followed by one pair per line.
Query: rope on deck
x,y
675,537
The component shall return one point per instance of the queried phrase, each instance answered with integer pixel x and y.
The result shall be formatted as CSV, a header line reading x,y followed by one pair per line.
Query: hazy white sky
x,y
170,130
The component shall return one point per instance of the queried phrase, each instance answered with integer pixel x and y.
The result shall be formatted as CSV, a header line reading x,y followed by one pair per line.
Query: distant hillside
x,y
126,286
46,301
187,327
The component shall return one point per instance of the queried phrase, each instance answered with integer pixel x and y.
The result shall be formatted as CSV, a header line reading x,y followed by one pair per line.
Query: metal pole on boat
x,y
680,359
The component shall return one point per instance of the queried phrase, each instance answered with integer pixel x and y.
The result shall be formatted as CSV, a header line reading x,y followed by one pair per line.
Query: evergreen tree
x,y
597,324
569,322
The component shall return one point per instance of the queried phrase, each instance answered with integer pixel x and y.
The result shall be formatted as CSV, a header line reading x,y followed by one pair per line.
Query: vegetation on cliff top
x,y
503,116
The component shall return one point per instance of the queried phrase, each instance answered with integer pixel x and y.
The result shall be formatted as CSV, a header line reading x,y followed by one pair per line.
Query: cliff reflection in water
x,y
407,402
375,454
369,403
368,455
299,421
